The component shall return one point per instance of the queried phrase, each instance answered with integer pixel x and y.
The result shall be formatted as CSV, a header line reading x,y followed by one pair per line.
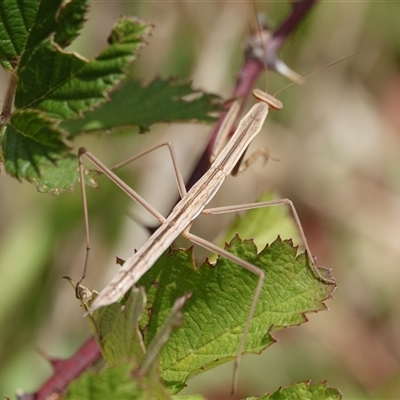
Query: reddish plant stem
x,y
300,10
244,83
65,371
249,73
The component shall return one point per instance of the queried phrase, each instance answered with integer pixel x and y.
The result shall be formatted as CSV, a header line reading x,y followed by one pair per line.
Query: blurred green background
x,y
338,144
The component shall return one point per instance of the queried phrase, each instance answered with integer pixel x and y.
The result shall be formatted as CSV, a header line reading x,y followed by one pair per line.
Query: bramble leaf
x,y
264,224
116,329
215,316
163,100
221,297
70,18
302,391
64,91
114,383
31,138
64,84
23,25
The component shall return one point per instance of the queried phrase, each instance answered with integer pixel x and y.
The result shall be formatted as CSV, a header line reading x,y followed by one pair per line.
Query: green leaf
x,y
173,321
28,159
70,18
302,391
65,85
276,221
119,382
215,316
61,176
31,138
134,104
54,89
116,330
23,25
112,383
216,313
59,84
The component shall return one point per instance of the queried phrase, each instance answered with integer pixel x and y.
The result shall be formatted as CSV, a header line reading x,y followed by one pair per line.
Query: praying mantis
x,y
192,203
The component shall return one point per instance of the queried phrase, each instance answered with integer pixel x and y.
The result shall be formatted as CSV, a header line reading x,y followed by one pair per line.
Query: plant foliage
x,y
58,94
